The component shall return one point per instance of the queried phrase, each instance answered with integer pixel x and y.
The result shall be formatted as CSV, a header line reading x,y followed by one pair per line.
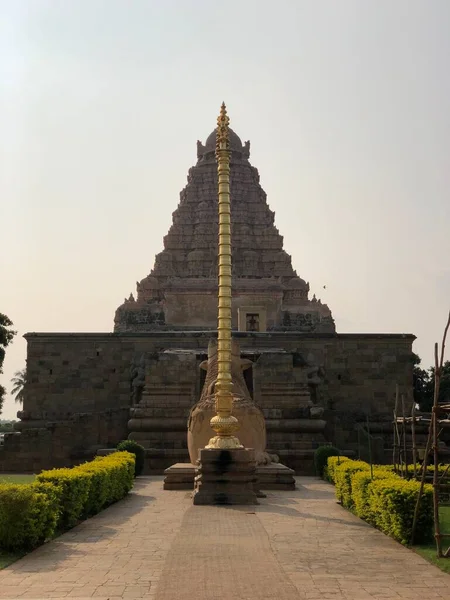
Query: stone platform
x,y
270,477
225,477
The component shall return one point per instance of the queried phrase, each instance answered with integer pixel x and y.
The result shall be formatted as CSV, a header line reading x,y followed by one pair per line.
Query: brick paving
x,y
155,544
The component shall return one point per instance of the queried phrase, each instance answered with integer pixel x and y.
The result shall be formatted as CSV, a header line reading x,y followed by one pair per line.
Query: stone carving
x,y
137,378
315,378
252,432
200,149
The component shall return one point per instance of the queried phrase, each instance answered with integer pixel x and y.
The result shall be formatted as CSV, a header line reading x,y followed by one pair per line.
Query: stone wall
x,y
79,393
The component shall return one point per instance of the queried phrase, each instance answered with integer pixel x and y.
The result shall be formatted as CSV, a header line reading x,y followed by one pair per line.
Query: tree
x,y
19,380
6,337
444,387
422,389
423,385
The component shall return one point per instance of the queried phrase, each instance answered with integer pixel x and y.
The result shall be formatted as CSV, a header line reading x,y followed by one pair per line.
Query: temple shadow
x,y
299,514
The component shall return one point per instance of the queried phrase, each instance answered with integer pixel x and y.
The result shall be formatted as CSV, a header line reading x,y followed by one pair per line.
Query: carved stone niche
x,y
252,318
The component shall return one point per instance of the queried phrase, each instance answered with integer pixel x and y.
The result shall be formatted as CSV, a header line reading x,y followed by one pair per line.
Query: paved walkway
x,y
295,546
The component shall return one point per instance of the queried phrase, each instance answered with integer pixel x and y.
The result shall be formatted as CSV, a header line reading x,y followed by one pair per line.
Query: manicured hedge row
x,y
387,501
30,514
88,488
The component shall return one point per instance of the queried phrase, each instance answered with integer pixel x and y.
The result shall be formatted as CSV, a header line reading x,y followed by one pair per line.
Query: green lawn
x,y
16,478
6,558
429,551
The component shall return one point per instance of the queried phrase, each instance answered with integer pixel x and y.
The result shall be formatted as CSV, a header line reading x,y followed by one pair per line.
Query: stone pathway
x,y
295,546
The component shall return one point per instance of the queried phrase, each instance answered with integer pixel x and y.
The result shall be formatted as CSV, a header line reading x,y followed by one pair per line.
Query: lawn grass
x,y
7,558
429,551
4,478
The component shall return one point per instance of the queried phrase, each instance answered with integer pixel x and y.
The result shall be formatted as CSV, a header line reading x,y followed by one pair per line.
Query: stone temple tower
x,y
181,291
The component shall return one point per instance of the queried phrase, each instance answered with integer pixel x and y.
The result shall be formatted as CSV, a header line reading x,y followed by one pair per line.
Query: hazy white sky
x,y
346,104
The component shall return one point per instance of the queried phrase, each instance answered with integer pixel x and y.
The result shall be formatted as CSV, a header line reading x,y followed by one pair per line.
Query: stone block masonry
x,y
80,393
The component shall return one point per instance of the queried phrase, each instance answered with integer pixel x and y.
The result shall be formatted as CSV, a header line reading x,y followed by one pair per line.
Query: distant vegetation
x,y
424,385
19,380
6,337
7,426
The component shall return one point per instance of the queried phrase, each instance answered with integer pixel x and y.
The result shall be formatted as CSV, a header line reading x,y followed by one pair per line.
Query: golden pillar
x,y
224,424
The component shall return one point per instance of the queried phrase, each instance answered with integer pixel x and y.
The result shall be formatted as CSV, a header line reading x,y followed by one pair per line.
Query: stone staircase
x,y
159,424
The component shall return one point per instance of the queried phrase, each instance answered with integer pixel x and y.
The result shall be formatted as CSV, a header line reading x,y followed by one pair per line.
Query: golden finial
x,y
223,121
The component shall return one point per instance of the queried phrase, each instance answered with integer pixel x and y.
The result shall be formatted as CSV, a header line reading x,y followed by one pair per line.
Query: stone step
x,y
159,436
163,445
165,402
159,412
167,452
168,390
297,445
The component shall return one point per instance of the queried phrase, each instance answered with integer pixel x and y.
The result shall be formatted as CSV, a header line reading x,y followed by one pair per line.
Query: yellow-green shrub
x,y
392,503
88,488
430,470
74,484
343,481
28,514
332,462
360,481
120,467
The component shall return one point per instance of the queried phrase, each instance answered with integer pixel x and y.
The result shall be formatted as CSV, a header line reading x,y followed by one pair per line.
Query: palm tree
x,y
19,380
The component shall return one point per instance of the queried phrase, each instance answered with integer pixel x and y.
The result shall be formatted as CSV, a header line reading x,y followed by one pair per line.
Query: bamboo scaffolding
x,y
434,431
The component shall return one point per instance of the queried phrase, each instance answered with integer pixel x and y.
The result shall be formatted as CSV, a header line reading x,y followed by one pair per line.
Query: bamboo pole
x,y
437,525
396,434
422,483
405,448
370,446
413,436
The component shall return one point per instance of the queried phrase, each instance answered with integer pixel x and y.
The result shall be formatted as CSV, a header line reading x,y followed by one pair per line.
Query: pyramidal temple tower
x,y
87,391
181,290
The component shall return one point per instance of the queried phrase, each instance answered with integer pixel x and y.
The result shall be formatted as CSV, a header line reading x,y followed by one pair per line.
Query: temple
x,y
181,290
87,391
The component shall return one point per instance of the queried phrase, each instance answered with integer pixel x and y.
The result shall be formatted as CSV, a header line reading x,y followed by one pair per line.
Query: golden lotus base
x,y
224,442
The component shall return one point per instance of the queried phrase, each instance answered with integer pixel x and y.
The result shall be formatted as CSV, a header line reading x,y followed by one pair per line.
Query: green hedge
x,y
137,450
321,456
392,503
387,501
28,514
88,488
343,480
360,481
31,513
332,462
74,485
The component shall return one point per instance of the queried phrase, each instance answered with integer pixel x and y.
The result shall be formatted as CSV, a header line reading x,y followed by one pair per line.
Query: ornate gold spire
x,y
224,424
222,137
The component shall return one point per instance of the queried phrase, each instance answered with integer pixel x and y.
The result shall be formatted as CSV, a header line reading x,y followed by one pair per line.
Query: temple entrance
x,y
252,321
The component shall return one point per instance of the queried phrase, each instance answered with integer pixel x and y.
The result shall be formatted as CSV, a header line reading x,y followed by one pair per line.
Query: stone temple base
x,y
225,477
270,477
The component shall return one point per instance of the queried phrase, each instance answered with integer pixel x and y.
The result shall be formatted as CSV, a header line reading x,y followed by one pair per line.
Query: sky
x,y
346,106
